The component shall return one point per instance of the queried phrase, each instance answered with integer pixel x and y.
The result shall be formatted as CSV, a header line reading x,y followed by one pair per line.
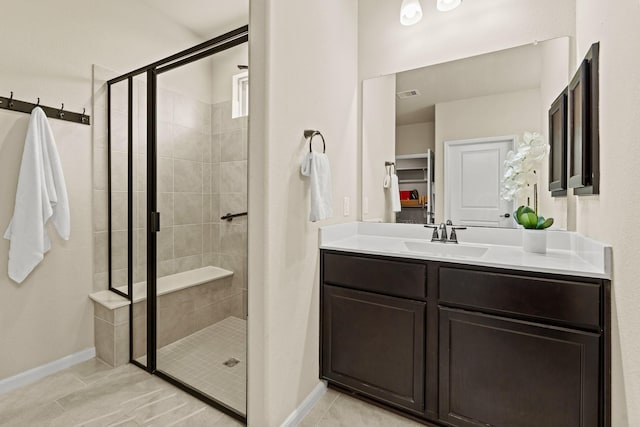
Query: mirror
x,y
466,114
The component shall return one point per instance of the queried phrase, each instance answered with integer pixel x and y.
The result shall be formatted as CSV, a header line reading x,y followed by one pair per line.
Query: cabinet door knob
x,y
505,215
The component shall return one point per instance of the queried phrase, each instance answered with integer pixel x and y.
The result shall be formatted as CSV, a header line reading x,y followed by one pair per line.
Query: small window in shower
x,y
240,102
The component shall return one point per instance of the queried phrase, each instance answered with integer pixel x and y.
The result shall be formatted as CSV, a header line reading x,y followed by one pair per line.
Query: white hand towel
x,y
395,193
316,167
41,196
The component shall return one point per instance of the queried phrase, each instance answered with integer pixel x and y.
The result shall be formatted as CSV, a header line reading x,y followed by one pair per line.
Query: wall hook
x,y
61,112
11,100
38,104
84,117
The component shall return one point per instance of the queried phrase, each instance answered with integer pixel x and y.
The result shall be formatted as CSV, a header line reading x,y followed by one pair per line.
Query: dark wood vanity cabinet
x,y
373,328
459,345
375,344
503,372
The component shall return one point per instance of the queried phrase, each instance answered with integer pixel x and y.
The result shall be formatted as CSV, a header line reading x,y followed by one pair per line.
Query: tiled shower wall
x,y
184,182
230,237
202,175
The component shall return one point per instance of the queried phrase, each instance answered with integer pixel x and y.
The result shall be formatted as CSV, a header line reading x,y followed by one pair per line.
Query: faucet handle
x,y
434,236
453,237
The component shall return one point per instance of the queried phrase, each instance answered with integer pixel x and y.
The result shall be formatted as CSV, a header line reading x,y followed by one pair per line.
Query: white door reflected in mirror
x,y
474,170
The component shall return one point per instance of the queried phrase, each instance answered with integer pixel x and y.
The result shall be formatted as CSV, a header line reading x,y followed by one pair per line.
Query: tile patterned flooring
x,y
336,409
198,360
93,394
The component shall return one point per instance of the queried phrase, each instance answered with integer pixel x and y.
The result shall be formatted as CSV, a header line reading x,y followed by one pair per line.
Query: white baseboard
x,y
33,375
305,407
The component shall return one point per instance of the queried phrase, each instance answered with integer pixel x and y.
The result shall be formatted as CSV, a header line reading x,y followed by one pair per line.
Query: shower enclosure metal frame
x,y
195,53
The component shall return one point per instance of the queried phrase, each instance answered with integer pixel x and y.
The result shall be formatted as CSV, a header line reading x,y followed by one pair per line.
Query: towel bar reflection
x,y
309,134
391,169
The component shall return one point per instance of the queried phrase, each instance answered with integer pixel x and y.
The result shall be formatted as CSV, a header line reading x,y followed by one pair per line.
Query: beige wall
x,y
305,78
496,115
386,47
554,78
49,316
610,217
415,138
378,145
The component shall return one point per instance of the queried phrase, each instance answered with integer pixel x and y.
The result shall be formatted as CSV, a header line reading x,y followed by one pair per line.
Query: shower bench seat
x,y
187,302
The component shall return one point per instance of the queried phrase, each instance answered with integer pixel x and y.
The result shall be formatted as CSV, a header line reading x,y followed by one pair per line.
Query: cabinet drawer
x,y
399,278
565,301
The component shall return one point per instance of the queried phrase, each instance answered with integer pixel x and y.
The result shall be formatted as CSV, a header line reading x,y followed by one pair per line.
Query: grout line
x,y
60,405
326,411
186,417
86,384
165,412
121,422
99,417
140,397
155,401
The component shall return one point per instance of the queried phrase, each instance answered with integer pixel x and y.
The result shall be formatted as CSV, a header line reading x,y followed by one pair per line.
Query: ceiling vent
x,y
408,93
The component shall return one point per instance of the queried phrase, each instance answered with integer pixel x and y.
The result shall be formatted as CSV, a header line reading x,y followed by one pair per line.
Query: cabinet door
x,y
508,373
375,345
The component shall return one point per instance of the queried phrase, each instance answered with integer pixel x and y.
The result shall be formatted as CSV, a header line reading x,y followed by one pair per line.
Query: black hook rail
x,y
52,112
230,216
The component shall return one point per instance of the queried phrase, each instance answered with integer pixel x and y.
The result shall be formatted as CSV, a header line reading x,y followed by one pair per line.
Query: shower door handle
x,y
154,222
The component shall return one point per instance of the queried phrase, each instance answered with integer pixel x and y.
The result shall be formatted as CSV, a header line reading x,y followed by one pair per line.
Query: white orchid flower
x,y
520,165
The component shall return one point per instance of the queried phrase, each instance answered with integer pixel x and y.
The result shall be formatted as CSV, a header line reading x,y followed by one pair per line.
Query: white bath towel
x,y
316,167
41,196
395,193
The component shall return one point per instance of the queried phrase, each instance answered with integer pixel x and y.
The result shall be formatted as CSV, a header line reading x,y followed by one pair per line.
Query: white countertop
x,y
568,253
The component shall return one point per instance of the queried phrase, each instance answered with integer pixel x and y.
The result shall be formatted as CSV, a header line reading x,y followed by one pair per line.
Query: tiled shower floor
x,y
198,360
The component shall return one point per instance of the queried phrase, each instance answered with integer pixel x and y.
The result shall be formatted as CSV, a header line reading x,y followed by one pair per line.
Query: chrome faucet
x,y
444,236
443,231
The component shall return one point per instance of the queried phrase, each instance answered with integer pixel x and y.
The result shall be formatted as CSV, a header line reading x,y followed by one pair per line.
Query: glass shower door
x,y
200,258
177,218
127,210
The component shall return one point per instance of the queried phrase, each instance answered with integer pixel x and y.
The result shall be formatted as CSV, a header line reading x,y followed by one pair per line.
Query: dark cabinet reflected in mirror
x,y
558,142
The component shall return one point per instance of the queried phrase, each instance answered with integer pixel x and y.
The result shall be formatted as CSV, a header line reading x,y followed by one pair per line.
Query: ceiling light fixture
x,y
410,12
447,5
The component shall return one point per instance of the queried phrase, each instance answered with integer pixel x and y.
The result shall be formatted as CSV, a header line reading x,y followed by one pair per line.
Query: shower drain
x,y
231,362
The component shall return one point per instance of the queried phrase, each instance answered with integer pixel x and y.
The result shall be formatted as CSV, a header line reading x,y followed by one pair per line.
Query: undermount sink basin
x,y
446,249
